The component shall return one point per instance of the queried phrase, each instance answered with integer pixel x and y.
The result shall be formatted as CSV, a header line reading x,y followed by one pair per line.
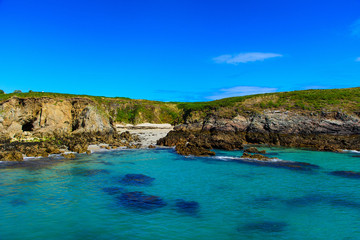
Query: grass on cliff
x,y
347,99
133,111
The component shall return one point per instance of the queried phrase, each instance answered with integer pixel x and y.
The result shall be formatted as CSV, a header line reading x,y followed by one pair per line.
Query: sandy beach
x,y
148,133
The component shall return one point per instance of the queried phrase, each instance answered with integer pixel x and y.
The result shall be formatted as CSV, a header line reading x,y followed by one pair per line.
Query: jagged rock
x,y
151,146
254,150
190,148
79,148
68,155
139,200
11,156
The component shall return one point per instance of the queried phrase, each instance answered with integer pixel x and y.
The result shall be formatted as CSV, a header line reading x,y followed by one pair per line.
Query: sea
x,y
154,194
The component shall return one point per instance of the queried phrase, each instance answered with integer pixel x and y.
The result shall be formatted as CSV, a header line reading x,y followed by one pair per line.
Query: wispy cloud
x,y
355,28
245,57
357,59
240,91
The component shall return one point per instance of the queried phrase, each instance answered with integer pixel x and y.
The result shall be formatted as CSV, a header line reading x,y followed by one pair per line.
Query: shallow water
x,y
79,199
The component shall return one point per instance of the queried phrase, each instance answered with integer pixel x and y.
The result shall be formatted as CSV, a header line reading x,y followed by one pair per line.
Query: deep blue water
x,y
197,198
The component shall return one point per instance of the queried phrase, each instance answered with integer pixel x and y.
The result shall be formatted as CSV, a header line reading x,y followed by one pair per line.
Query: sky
x,y
186,50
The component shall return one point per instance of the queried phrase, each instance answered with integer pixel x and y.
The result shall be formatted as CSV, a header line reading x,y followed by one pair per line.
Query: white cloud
x,y
357,59
245,57
240,91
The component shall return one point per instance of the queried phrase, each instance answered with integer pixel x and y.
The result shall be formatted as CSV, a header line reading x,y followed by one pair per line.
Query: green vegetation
x,y
2,91
128,110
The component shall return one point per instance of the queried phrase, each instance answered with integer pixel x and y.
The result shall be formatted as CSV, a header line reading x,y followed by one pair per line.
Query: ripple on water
x,y
113,190
17,202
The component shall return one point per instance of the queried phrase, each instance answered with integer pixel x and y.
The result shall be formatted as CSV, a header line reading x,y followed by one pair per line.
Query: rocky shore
x,y
323,132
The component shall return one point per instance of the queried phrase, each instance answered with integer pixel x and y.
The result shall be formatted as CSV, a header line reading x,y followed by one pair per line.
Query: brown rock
x,y
254,150
11,156
68,155
255,156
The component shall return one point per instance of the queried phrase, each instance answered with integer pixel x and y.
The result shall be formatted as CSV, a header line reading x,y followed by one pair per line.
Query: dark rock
x,y
139,200
266,226
346,174
254,150
198,143
189,207
190,148
151,146
137,180
113,190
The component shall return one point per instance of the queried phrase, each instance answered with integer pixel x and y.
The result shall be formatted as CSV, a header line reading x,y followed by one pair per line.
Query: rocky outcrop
x,y
325,131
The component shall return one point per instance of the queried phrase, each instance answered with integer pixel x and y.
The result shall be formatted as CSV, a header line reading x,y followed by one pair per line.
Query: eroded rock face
x,y
50,116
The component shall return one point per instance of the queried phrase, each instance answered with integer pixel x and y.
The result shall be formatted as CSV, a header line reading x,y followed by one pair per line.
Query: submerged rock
x,y
137,180
305,200
346,174
276,163
113,190
17,202
139,200
90,172
189,207
265,226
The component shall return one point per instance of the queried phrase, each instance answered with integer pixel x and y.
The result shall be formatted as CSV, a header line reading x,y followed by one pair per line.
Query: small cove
x,y
79,199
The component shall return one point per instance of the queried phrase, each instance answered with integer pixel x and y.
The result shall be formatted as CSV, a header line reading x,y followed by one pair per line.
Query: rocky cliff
x,y
44,117
330,131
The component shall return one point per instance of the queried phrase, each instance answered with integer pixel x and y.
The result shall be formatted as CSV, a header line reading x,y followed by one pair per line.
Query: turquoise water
x,y
64,199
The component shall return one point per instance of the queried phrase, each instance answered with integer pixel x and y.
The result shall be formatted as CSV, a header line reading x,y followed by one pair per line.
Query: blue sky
x,y
173,50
